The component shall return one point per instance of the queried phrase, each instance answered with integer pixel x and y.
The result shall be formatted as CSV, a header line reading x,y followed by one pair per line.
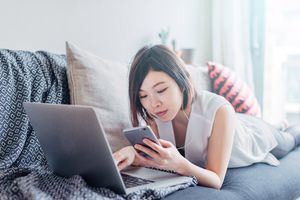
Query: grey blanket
x,y
21,183
24,173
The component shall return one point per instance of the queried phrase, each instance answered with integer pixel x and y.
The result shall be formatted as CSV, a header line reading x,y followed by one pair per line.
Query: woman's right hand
x,y
127,156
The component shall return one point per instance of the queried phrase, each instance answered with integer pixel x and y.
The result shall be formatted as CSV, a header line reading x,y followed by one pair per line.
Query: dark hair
x,y
157,58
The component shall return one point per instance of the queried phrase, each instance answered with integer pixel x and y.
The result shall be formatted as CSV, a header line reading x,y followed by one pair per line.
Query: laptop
x,y
73,141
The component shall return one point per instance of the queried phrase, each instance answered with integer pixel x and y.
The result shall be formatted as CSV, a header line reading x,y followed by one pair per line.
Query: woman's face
x,y
160,95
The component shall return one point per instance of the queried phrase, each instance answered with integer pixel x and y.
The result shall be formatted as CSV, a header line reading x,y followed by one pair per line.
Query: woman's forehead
x,y
155,78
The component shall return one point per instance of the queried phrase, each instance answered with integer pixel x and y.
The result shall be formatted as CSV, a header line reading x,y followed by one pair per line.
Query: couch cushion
x,y
26,76
259,181
103,84
200,77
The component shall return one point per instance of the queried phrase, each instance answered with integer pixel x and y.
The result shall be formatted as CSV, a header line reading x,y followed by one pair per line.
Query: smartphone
x,y
137,134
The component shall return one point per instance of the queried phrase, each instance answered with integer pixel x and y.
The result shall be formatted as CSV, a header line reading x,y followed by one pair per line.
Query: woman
x,y
200,134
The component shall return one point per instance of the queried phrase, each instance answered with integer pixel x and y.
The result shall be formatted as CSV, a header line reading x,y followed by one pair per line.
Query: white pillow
x,y
200,77
102,84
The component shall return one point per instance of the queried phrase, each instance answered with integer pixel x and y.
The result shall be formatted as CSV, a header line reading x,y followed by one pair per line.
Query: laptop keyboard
x,y
132,181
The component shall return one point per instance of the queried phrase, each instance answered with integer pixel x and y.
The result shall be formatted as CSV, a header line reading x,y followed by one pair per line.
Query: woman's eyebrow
x,y
156,84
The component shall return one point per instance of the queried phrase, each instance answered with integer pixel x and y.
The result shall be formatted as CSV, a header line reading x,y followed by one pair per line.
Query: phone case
x,y
137,134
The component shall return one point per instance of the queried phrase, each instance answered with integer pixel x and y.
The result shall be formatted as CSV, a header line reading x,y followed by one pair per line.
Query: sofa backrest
x,y
27,76
37,77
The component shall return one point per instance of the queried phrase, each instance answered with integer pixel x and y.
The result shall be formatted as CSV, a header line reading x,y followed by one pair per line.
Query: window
x,y
282,62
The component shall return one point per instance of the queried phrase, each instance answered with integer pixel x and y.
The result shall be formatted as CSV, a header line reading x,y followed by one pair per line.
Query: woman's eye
x,y
143,96
161,91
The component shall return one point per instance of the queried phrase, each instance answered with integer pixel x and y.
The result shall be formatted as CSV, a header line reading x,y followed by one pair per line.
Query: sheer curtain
x,y
274,99
282,62
259,39
231,36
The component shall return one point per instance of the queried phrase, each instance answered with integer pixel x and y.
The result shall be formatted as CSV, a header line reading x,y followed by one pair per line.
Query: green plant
x,y
164,35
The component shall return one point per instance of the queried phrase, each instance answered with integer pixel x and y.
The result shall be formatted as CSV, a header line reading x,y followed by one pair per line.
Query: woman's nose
x,y
155,101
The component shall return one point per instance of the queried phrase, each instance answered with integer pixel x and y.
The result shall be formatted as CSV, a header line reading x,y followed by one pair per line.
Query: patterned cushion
x,y
227,84
41,77
26,76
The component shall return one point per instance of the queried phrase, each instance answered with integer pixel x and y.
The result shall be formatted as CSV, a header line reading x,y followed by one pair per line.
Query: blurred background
x,y
259,39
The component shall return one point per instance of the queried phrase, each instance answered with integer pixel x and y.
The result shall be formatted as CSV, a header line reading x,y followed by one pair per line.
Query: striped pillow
x,y
227,84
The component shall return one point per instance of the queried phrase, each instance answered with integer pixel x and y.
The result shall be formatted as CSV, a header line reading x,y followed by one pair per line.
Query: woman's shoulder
x,y
207,103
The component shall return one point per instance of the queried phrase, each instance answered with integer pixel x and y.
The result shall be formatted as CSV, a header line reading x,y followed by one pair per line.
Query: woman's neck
x,y
182,116
180,124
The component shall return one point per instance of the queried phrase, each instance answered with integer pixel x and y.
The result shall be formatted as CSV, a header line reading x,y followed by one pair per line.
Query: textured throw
x,y
26,76
17,183
40,77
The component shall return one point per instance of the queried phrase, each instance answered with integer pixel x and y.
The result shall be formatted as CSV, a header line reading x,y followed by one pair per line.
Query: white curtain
x,y
231,36
282,34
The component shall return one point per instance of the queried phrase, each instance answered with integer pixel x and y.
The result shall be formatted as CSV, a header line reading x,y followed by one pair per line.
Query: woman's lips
x,y
160,114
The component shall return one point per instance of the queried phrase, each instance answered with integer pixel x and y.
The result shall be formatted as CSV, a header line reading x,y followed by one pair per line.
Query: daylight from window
x,y
282,61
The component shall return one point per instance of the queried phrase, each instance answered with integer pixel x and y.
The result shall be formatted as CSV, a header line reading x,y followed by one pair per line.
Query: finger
x,y
153,145
165,143
123,164
141,159
118,157
149,162
147,150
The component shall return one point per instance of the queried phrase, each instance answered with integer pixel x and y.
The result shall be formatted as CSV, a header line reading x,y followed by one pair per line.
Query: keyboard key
x,y
132,181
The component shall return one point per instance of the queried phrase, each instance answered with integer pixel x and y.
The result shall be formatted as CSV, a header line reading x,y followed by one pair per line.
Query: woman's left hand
x,y
124,157
165,156
127,156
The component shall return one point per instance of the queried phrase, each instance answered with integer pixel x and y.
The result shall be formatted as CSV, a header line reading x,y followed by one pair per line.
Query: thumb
x,y
165,143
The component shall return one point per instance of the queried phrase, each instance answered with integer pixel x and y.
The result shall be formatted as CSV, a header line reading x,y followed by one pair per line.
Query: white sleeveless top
x,y
253,138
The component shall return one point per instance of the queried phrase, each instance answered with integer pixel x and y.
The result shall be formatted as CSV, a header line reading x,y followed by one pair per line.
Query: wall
x,y
113,29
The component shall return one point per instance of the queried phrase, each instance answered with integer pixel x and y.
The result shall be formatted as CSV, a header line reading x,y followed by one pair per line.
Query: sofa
x,y
24,174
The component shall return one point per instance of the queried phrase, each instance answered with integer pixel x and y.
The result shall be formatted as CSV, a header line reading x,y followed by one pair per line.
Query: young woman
x,y
199,131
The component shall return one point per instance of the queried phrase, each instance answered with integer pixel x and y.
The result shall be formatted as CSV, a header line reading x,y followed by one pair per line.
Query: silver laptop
x,y
74,142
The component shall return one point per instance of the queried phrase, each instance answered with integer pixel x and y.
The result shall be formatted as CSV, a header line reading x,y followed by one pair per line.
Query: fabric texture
x,y
26,76
200,76
226,83
286,143
258,181
253,138
232,39
103,84
24,173
23,183
294,130
41,76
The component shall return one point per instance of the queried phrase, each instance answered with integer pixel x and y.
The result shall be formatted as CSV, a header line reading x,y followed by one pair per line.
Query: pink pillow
x,y
227,84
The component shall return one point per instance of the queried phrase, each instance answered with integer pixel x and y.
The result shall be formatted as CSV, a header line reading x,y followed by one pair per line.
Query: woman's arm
x,y
218,155
219,150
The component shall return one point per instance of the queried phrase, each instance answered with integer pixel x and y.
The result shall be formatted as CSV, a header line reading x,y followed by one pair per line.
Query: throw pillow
x,y
103,84
227,84
200,77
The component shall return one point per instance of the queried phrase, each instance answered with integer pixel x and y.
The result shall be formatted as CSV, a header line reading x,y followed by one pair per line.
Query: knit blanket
x,y
24,173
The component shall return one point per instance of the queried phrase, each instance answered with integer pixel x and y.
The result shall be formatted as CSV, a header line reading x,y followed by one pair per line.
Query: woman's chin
x,y
165,118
